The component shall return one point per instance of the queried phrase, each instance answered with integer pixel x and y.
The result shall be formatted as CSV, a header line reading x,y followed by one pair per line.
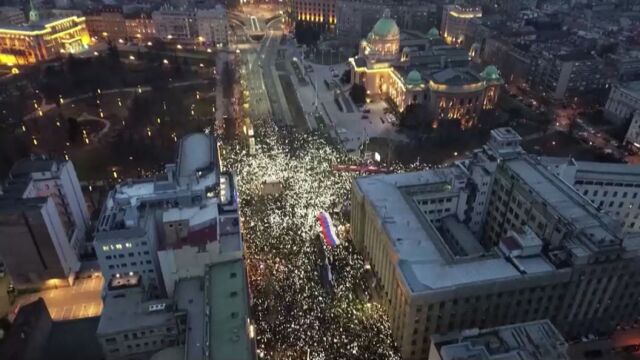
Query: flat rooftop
x,y
228,312
131,306
422,257
536,340
189,297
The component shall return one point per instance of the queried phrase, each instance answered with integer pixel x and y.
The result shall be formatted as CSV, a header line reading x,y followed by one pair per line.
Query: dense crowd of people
x,y
297,315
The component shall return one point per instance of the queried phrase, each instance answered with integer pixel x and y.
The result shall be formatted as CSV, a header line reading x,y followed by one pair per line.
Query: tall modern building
x,y
494,239
44,222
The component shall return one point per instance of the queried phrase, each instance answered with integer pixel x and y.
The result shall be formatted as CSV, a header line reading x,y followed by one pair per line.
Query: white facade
x,y
633,133
623,102
213,26
174,25
67,255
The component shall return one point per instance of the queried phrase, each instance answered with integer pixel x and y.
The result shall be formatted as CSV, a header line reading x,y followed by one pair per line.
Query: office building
x,y
139,26
494,239
174,225
213,26
11,16
175,25
413,70
455,19
40,40
355,18
107,22
318,12
535,340
613,188
207,318
44,222
565,76
623,102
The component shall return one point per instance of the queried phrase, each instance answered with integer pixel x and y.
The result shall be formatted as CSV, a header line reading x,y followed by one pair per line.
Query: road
x,y
81,300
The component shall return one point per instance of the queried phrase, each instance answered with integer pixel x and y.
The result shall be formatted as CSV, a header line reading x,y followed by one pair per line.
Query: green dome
x,y
386,27
413,78
433,32
490,73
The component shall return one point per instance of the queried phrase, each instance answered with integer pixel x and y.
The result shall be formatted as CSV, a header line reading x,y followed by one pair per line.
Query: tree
x,y
73,130
113,54
358,94
346,77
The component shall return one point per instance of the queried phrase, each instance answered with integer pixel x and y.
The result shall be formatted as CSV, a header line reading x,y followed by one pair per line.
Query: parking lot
x,y
79,301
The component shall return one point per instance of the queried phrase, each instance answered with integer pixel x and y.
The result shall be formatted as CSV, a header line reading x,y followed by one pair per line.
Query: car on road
x,y
365,116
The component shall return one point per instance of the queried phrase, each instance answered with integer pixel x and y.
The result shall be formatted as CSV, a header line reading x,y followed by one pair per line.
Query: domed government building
x,y
411,67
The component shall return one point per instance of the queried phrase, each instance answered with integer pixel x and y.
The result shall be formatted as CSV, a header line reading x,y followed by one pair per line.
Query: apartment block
x,y
213,26
44,222
623,102
494,239
174,24
107,22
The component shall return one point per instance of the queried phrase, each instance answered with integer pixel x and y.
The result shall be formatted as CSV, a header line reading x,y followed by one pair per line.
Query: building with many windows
x,y
632,138
175,24
213,26
107,22
494,239
139,26
11,15
319,12
623,102
412,70
44,223
42,40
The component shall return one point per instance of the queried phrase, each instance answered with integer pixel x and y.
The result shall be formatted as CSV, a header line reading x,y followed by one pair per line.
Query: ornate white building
x,y
410,70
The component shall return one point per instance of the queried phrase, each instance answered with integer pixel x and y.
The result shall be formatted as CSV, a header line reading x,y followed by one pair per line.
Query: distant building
x,y
44,221
355,18
494,239
525,341
455,19
206,318
42,40
213,26
563,77
318,12
139,26
423,70
11,16
27,338
107,22
175,25
623,102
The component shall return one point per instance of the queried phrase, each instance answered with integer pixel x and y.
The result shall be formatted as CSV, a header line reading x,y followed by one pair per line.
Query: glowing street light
x,y
131,57
165,61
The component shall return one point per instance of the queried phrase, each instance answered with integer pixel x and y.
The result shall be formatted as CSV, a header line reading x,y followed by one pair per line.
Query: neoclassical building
x,y
416,68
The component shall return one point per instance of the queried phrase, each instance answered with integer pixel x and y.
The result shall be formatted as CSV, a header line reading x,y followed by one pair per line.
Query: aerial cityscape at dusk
x,y
319,179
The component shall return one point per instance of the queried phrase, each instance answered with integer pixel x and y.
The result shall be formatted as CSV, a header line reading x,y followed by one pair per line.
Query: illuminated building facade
x,y
42,40
139,26
454,22
405,71
321,12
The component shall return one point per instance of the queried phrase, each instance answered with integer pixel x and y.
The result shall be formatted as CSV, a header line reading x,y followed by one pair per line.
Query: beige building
x,y
492,240
108,23
139,26
320,12
213,26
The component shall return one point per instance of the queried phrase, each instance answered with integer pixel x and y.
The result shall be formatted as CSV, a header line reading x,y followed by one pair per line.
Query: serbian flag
x,y
329,235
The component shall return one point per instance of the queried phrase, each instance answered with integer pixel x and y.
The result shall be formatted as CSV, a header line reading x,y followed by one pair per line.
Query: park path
x,y
44,107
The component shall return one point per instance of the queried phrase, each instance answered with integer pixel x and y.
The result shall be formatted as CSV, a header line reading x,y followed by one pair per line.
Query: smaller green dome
x,y
413,78
491,73
433,32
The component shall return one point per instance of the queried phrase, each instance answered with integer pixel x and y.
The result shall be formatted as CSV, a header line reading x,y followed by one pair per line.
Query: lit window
x,y
119,246
105,248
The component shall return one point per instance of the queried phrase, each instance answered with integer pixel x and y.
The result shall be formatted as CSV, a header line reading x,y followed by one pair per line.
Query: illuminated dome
x,y
414,78
385,28
491,73
433,32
